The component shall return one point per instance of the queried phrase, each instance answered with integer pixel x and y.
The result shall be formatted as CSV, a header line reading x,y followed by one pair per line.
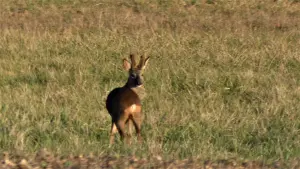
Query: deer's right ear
x,y
126,64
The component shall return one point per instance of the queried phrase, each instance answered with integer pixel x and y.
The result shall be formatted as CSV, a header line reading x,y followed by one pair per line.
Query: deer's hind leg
x,y
137,122
120,124
130,125
113,131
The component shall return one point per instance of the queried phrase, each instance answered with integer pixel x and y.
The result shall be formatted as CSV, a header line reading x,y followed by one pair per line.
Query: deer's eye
x,y
132,76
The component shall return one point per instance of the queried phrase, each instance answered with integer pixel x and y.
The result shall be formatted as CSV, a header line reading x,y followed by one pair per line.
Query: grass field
x,y
223,80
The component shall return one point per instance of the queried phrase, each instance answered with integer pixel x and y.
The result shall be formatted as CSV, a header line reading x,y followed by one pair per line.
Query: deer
x,y
124,103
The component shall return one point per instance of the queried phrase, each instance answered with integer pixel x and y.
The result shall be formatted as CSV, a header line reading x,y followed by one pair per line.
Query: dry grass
x,y
223,80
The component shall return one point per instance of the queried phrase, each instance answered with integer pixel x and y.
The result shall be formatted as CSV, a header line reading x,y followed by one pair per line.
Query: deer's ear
x,y
126,64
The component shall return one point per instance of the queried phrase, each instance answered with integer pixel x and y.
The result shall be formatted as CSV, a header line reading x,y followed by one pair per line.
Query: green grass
x,y
222,82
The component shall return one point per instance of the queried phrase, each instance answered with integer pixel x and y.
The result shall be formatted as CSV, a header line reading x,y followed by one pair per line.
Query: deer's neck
x,y
139,90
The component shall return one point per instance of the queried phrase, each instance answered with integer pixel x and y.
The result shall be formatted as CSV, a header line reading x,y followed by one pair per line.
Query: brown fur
x,y
124,104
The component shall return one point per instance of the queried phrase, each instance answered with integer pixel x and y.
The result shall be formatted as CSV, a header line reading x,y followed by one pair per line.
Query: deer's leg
x,y
129,133
121,127
130,127
113,131
137,122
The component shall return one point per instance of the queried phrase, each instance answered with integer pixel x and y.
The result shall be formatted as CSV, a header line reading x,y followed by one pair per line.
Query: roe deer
x,y
124,103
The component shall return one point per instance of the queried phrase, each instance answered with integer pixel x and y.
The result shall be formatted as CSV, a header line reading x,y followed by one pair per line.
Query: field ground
x,y
44,159
222,82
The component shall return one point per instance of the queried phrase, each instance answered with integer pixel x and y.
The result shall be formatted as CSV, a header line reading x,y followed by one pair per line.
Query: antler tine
x,y
142,61
133,62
